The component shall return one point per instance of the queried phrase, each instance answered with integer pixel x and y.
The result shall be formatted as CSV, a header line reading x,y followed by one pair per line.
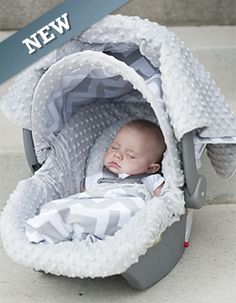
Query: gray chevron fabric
x,y
99,212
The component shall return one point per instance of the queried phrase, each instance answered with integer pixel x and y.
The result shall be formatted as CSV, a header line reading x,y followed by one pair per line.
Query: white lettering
x,y
32,42
46,36
60,24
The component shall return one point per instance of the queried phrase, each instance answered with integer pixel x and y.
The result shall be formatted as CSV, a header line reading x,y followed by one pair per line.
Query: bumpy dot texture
x,y
17,102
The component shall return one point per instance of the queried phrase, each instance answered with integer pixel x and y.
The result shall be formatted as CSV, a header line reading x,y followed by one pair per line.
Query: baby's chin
x,y
117,170
114,170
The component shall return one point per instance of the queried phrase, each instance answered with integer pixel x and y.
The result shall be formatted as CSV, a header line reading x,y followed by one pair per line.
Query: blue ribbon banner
x,y
50,31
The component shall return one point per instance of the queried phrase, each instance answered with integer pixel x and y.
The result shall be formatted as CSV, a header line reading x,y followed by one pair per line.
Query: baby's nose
x,y
118,155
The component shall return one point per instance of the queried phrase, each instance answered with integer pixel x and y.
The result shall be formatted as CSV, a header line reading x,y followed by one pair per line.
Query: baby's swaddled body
x,y
95,213
128,180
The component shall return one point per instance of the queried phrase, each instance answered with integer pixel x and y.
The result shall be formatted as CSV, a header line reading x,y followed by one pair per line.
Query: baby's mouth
x,y
114,164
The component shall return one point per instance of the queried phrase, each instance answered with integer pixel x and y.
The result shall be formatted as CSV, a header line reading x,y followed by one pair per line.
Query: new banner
x,y
50,31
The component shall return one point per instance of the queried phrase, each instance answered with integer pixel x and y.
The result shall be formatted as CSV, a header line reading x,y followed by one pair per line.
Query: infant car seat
x,y
120,68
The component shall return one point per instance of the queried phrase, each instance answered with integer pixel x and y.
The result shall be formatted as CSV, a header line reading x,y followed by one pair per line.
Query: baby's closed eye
x,y
114,147
131,156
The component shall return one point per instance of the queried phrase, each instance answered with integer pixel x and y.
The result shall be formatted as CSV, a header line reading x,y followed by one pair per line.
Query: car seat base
x,y
159,259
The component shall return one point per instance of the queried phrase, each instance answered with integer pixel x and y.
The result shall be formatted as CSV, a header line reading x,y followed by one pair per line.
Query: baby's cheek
x,y
106,157
133,166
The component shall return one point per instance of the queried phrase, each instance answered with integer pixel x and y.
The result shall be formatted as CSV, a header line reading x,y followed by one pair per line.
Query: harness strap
x,y
129,179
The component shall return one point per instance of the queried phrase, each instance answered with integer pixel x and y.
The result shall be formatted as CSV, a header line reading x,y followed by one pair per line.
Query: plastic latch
x,y
197,198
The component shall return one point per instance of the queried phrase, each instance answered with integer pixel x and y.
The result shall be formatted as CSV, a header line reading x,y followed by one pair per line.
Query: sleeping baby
x,y
129,179
136,150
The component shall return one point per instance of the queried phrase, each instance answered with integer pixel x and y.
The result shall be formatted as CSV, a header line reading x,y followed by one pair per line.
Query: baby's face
x,y
130,152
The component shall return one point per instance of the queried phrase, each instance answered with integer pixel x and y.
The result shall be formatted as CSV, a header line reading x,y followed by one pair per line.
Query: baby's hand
x,y
157,191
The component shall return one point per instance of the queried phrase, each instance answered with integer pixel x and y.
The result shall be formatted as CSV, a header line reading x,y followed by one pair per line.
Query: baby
x,y
137,149
133,157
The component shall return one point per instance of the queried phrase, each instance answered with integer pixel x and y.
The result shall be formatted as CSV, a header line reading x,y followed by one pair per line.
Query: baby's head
x,y
137,148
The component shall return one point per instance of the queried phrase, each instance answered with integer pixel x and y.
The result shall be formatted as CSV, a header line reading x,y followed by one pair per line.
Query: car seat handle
x,y
29,150
195,184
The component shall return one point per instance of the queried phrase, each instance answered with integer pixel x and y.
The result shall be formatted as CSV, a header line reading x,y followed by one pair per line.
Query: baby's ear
x,y
153,168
